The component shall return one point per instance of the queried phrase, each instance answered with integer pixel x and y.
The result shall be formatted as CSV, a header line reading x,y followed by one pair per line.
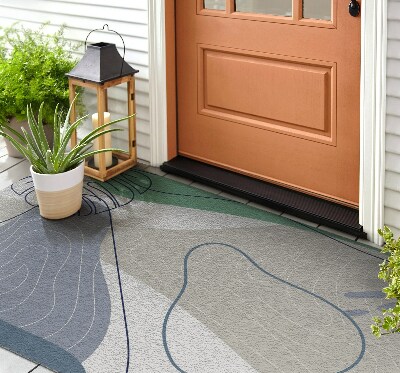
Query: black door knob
x,y
354,8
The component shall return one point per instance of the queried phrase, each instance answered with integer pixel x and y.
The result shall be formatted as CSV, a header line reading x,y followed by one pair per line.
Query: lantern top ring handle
x,y
108,29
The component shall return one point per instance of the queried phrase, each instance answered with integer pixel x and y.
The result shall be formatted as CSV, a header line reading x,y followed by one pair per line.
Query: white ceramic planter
x,y
59,195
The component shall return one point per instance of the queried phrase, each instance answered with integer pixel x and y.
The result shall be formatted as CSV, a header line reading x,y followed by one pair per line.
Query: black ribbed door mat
x,y
292,202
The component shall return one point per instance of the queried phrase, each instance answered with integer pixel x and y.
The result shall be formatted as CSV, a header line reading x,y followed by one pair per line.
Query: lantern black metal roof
x,y
101,63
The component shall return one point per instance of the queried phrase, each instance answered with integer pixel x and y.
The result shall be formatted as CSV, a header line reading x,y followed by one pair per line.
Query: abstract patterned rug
x,y
155,276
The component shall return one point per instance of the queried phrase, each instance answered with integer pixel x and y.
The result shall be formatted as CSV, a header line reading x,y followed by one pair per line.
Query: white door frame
x,y
157,83
373,116
372,104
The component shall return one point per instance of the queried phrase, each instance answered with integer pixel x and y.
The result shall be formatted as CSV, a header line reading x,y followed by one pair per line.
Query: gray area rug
x,y
154,276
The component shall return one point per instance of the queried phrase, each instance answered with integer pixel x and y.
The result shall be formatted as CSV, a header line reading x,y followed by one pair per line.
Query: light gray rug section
x,y
145,310
51,280
308,310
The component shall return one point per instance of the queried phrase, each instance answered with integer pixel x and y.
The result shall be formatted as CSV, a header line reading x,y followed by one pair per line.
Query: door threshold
x,y
289,201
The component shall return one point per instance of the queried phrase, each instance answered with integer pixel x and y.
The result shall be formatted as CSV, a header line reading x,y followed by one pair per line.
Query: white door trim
x,y
372,104
157,83
373,116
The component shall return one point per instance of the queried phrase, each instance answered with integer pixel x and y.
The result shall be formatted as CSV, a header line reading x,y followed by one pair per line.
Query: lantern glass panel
x,y
118,108
89,102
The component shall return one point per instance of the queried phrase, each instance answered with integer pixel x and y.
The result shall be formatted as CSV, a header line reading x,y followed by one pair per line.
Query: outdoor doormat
x,y
155,276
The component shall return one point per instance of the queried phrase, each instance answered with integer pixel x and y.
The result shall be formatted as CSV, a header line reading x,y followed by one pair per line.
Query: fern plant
x,y
389,323
33,65
46,160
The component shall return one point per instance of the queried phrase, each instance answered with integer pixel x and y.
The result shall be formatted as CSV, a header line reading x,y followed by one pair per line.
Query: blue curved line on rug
x,y
26,192
103,191
89,193
121,294
27,195
37,349
87,198
133,187
93,186
185,283
88,203
30,181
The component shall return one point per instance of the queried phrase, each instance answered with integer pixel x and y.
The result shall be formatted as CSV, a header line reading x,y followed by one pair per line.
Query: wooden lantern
x,y
101,68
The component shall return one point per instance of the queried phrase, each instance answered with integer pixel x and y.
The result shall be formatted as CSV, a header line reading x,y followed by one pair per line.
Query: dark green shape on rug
x,y
148,187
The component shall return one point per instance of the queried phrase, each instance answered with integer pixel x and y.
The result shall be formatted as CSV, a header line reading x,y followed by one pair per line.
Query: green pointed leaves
x,y
35,147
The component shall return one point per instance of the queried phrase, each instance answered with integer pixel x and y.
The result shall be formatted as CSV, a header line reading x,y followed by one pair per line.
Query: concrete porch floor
x,y
13,169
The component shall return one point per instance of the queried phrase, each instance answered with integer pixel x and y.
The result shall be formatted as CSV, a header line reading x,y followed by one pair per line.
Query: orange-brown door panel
x,y
273,97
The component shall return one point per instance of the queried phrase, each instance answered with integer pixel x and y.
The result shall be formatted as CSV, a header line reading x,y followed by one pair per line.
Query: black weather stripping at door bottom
x,y
292,202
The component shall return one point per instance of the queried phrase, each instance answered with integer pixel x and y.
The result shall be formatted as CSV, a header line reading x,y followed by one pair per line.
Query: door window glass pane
x,y
215,4
317,9
274,7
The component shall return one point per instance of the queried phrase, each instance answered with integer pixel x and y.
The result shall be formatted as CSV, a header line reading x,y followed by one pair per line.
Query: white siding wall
x,y
392,179
128,17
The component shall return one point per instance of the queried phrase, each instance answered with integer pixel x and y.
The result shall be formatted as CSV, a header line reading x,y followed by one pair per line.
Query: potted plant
x,y
56,172
32,70
389,271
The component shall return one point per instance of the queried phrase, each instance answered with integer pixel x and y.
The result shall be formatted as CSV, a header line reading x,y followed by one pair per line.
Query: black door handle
x,y
354,8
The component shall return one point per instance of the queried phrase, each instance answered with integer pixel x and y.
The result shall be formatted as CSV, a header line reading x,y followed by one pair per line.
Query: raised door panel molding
x,y
307,86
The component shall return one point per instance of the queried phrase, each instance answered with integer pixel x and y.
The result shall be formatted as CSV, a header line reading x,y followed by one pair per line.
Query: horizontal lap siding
x,y
392,177
127,17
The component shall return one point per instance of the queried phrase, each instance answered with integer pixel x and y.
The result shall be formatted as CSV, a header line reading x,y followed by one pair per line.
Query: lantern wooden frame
x,y
125,161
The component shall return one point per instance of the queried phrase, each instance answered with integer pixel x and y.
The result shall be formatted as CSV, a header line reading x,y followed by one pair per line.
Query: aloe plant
x,y
46,160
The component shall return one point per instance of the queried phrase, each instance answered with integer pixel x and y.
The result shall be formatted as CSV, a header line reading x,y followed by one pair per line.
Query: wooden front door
x,y
270,89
